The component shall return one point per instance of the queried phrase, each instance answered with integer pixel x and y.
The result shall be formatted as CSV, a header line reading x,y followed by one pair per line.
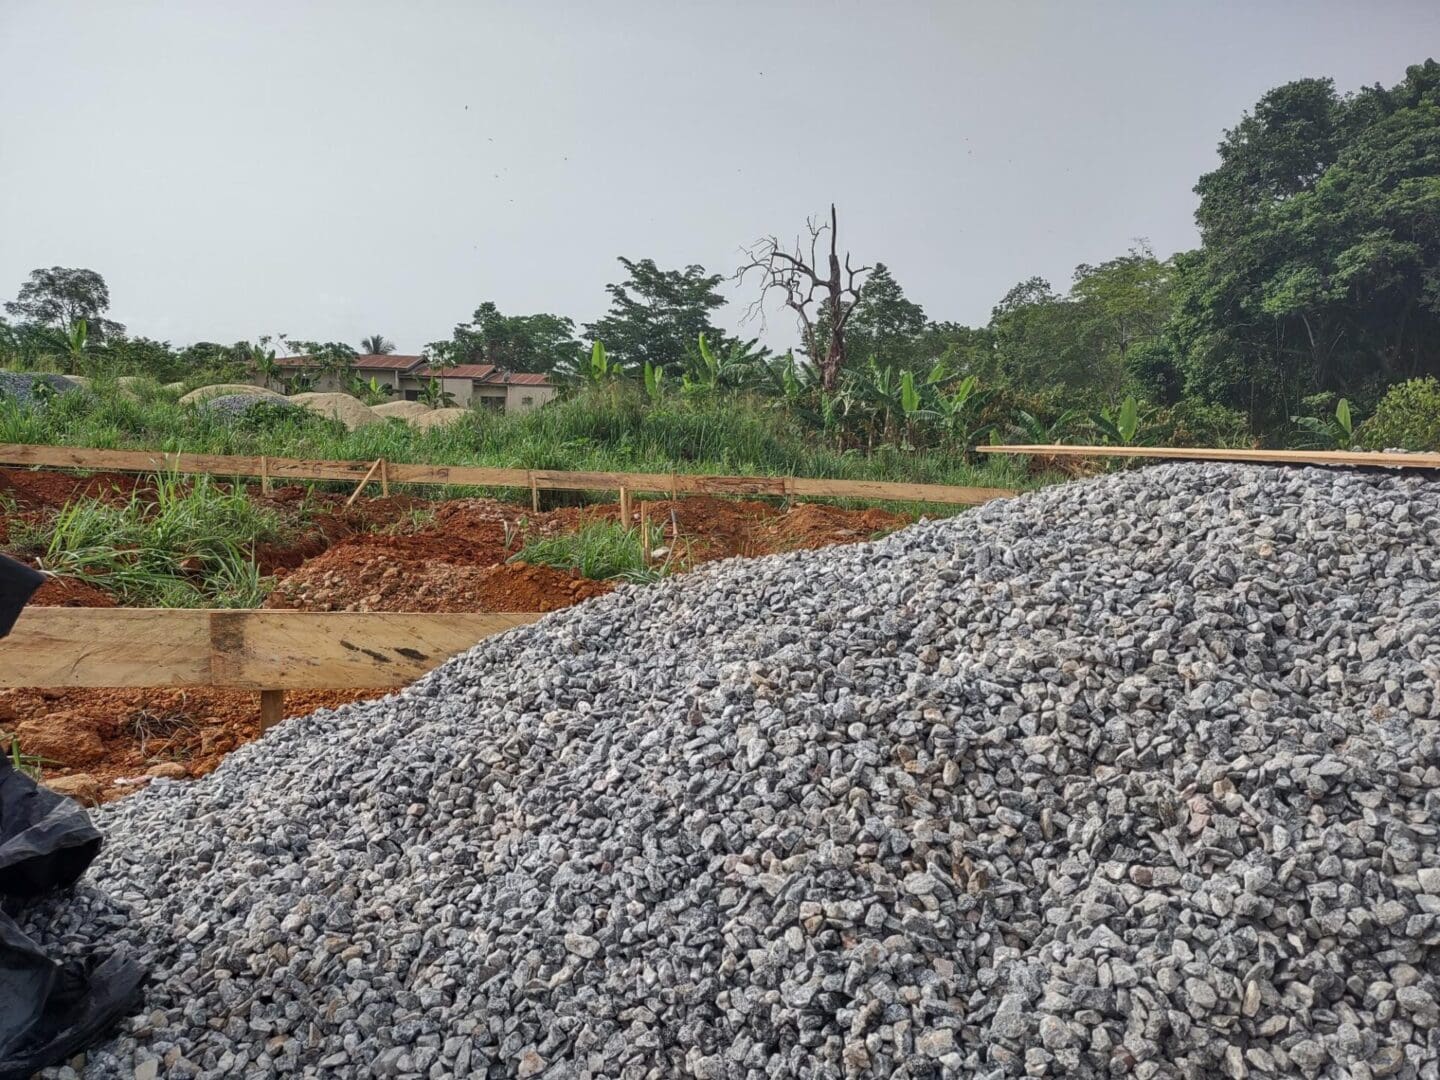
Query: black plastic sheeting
x,y
48,1011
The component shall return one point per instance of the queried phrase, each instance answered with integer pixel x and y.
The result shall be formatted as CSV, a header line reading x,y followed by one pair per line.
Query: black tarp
x,y
48,1011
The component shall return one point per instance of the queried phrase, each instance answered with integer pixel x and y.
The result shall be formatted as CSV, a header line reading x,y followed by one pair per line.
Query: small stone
x,y
530,1064
582,946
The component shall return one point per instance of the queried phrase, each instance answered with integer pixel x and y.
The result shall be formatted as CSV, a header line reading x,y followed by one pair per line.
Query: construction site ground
x,y
400,553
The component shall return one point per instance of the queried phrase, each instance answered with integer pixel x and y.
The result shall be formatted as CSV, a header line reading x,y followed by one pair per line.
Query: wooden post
x,y
644,533
384,480
534,496
272,708
264,475
624,508
361,486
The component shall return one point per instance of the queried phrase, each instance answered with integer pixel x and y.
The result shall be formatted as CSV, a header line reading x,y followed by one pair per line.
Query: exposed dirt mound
x,y
350,411
70,592
52,490
438,418
95,738
427,573
405,410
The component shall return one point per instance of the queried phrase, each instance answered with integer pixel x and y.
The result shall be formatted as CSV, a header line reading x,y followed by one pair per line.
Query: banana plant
x,y
654,382
960,412
1337,433
601,368
1031,429
371,391
1119,428
73,339
435,395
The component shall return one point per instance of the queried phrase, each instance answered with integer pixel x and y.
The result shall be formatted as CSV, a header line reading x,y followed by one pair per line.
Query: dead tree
x,y
795,275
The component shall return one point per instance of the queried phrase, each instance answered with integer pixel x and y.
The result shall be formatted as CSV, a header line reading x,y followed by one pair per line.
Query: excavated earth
x,y
384,554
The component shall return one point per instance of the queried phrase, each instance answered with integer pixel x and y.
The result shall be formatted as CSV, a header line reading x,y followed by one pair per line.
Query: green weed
x,y
190,543
600,551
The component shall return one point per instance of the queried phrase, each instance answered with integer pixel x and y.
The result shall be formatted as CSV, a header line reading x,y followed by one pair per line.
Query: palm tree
x,y
376,345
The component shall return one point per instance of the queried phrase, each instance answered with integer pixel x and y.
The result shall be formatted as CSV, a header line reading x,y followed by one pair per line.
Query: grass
x,y
27,764
600,550
609,428
187,543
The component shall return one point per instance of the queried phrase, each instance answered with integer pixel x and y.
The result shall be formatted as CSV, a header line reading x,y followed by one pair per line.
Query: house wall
x,y
519,398
337,382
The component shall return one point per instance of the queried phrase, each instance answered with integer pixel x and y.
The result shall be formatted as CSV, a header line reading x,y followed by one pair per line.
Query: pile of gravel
x,y
1131,777
239,404
19,386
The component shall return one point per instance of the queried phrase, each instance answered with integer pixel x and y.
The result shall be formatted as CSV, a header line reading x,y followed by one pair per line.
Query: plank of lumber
x,y
319,649
123,646
272,469
272,708
1342,458
877,489
255,650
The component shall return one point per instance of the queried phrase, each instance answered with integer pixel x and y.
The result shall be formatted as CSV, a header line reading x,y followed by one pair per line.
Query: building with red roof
x,y
471,385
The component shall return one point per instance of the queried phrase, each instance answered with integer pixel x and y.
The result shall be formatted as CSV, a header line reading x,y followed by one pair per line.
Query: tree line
x,y
1314,290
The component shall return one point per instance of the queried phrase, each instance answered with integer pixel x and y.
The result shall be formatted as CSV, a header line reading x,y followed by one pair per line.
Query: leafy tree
x,y
656,316
61,296
1320,264
376,345
1123,302
1037,339
886,325
537,343
328,355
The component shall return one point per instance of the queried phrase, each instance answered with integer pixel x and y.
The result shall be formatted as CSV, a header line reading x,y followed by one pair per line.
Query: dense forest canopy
x,y
1317,278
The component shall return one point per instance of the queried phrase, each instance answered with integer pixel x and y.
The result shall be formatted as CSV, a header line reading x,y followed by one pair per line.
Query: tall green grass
x,y
605,428
600,550
187,544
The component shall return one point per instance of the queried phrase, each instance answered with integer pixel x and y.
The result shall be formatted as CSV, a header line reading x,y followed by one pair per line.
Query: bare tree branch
x,y
798,281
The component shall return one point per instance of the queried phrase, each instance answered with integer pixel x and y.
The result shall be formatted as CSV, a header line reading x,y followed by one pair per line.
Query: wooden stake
x,y
264,475
644,533
384,480
272,708
624,508
534,496
361,486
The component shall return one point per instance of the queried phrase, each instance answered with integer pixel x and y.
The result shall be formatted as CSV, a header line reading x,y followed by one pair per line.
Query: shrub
x,y
1407,418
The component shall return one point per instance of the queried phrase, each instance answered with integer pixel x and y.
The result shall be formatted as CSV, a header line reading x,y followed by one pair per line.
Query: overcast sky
x,y
330,170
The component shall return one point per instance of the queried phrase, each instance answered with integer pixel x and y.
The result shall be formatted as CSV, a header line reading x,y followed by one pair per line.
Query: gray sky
x,y
335,169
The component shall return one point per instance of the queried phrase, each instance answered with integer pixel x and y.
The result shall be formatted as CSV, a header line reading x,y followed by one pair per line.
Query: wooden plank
x,y
320,649
1332,458
119,646
255,650
270,468
272,708
894,492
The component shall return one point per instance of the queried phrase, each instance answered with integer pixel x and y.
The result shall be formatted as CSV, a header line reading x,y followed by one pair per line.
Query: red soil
x,y
377,555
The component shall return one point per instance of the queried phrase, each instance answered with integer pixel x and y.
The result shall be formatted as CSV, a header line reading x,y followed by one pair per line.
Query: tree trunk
x,y
833,362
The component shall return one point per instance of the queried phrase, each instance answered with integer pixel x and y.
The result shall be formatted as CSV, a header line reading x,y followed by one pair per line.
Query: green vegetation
x,y
608,427
186,543
1407,418
601,550
1317,281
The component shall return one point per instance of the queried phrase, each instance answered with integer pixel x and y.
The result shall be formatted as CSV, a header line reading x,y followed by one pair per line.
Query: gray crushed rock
x,y
19,386
1138,776
237,404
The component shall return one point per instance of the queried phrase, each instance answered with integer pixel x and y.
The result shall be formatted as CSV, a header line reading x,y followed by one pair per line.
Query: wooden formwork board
x,y
270,469
1332,458
242,649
